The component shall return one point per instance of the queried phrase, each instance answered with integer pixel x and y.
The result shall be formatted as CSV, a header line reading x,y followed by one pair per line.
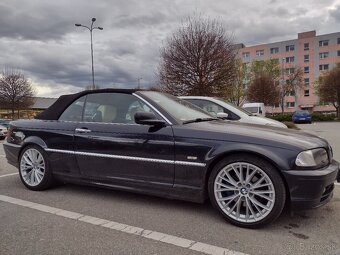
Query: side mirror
x,y
260,111
222,115
148,118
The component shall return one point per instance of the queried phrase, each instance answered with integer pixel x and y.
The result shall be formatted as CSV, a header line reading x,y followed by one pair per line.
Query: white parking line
x,y
5,175
338,184
2,156
149,234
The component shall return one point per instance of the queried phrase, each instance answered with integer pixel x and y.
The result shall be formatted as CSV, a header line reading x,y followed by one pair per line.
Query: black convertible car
x,y
154,143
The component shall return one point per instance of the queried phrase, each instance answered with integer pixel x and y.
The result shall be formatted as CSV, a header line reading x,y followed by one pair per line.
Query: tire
x,y
34,169
247,202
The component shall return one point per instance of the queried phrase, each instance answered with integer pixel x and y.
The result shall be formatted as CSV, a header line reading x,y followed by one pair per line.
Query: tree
x,y
16,92
198,59
329,88
270,67
263,89
236,91
292,83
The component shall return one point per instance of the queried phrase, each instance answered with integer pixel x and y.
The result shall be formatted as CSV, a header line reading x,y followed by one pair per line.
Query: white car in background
x,y
218,107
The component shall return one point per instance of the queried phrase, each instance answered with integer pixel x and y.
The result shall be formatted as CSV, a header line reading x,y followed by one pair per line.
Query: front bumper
x,y
12,153
312,188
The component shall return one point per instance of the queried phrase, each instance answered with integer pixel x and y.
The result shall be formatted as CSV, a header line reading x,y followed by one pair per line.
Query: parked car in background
x,y
302,116
3,132
4,122
155,143
215,106
257,109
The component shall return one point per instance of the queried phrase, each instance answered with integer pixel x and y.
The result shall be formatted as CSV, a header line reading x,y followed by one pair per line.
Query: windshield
x,y
253,109
234,106
179,109
303,112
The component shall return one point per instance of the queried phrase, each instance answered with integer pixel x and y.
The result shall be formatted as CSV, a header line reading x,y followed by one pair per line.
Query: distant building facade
x,y
314,54
40,104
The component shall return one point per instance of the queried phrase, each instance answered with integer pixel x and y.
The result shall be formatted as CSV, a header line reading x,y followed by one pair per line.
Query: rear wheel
x,y
247,191
34,168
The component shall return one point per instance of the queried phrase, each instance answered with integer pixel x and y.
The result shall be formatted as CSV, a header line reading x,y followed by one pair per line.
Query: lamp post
x,y
91,28
138,79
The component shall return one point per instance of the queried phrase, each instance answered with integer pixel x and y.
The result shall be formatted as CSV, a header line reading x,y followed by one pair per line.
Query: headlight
x,y
312,158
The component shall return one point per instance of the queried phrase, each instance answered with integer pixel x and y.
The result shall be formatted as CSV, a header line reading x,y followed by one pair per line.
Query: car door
x,y
110,146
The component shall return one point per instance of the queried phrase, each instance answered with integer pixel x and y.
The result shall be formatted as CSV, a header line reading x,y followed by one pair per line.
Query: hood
x,y
266,121
252,133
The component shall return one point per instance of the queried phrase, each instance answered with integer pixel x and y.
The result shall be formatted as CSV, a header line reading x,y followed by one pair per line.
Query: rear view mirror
x,y
148,118
222,115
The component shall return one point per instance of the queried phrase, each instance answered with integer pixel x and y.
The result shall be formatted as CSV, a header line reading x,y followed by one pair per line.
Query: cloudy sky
x,y
40,39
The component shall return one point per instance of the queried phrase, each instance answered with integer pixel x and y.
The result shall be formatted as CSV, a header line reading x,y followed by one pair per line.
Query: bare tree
x,y
292,83
198,59
16,92
329,88
263,89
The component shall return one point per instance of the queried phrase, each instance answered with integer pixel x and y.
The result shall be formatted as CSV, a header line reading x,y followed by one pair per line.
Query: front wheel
x,y
34,169
248,191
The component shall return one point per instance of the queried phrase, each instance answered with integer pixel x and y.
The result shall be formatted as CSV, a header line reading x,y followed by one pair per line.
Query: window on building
x,y
306,58
289,59
324,67
259,53
290,48
290,70
306,46
324,55
338,53
246,54
291,93
306,93
306,81
290,104
306,69
323,43
274,50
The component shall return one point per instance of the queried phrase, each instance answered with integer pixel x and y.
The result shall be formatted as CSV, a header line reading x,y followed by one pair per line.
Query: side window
x,y
113,108
74,111
213,108
210,107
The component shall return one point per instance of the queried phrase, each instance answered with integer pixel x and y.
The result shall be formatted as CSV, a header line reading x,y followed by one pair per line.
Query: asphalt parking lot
x,y
64,228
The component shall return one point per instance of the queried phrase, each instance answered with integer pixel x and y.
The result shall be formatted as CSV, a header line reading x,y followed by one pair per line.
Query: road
x,y
34,229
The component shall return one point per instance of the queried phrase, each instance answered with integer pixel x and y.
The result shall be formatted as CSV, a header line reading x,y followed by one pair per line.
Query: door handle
x,y
82,130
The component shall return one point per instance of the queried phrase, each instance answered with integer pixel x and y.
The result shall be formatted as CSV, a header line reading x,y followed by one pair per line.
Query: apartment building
x,y
314,54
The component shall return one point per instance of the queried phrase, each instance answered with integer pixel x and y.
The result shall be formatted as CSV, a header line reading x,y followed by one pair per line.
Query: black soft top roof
x,y
56,109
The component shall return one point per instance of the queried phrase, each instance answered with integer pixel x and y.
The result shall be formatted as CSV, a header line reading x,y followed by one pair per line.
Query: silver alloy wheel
x,y
244,192
32,167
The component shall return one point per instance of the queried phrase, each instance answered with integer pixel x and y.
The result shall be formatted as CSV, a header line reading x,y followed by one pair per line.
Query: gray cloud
x,y
39,37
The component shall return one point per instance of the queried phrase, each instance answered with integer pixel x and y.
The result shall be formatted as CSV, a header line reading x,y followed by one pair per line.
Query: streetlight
x,y
91,28
138,79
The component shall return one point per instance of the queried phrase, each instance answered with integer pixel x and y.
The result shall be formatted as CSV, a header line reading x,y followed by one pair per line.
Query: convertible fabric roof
x,y
56,109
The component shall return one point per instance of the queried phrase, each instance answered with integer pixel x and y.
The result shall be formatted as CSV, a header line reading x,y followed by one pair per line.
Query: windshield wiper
x,y
198,120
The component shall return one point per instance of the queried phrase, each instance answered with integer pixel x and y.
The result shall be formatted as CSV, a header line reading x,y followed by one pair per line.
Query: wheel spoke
x,y
228,198
231,178
258,182
227,187
237,173
256,202
229,181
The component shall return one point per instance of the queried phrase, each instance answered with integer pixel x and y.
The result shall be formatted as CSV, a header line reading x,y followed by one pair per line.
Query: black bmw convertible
x,y
154,143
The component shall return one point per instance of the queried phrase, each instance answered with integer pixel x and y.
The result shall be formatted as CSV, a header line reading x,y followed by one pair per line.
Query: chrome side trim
x,y
153,108
102,155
